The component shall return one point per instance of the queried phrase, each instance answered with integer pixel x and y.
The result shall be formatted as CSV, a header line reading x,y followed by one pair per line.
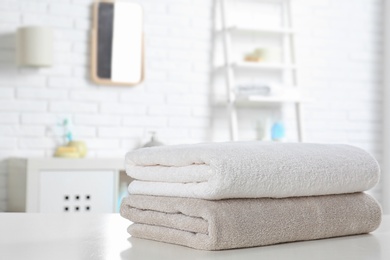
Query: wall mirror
x,y
117,51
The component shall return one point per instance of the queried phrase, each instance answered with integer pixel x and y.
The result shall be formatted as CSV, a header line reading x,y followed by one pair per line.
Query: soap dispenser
x,y
153,141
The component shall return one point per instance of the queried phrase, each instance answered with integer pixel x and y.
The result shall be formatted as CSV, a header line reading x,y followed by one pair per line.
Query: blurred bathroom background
x,y
338,47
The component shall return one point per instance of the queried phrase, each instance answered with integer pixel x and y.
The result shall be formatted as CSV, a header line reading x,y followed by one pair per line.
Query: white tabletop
x,y
104,236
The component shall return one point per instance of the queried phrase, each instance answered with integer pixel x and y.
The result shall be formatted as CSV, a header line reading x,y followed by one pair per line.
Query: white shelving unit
x,y
230,66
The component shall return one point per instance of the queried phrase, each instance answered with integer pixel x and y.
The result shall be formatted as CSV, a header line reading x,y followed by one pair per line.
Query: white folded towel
x,y
250,170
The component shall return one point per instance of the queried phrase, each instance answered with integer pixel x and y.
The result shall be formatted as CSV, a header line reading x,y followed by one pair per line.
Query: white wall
x,y
386,112
173,100
340,49
339,44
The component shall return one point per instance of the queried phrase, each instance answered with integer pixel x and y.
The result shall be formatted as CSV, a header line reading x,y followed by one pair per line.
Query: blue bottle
x,y
278,131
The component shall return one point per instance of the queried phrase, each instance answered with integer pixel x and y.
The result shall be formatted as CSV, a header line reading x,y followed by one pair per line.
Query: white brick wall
x,y
112,120
339,46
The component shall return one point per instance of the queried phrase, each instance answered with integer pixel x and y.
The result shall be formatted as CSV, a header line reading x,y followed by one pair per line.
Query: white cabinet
x,y
77,191
55,185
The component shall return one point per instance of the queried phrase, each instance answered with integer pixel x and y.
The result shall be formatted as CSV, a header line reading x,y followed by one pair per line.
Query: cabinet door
x,y
77,191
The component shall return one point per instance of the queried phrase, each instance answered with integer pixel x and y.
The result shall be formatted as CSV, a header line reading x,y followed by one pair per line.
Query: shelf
x,y
271,99
263,65
279,31
257,100
259,66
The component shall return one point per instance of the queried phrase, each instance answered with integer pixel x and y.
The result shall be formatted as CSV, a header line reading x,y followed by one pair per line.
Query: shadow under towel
x,y
237,223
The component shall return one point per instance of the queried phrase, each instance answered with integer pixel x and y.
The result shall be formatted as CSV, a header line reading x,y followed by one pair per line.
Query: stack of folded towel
x,y
243,194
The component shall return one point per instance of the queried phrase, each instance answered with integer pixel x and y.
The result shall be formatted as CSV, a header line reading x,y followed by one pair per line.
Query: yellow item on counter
x,y
81,147
67,152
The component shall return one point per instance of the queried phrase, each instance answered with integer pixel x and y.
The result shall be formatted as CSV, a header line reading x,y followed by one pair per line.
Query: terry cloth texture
x,y
237,223
250,170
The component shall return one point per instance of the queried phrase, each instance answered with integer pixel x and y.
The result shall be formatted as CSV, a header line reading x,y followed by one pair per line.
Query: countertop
x,y
104,236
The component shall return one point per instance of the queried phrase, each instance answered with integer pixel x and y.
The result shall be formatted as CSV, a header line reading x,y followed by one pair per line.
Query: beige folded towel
x,y
237,223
